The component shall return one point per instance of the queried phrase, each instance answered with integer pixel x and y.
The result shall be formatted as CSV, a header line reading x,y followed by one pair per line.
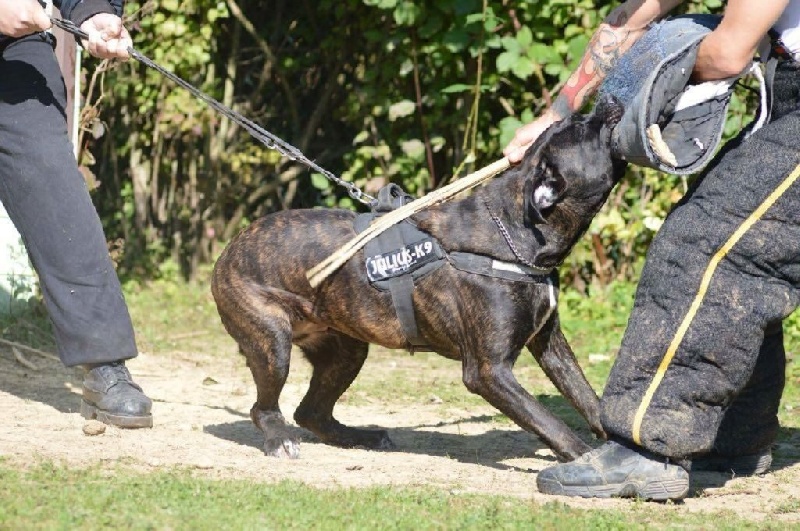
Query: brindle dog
x,y
546,203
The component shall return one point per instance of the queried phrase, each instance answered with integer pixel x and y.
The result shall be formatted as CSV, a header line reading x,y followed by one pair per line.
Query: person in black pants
x,y
47,199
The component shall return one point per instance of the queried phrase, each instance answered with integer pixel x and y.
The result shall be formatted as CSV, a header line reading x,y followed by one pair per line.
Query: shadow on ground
x,y
488,448
785,453
495,447
49,382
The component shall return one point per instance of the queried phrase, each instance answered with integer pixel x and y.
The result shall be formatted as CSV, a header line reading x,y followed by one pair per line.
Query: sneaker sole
x,y
664,490
91,412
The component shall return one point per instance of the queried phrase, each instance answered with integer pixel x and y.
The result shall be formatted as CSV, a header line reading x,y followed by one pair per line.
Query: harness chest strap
x,y
392,262
399,282
487,266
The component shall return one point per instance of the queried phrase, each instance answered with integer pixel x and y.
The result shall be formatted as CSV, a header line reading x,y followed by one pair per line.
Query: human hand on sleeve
x,y
108,38
22,17
615,35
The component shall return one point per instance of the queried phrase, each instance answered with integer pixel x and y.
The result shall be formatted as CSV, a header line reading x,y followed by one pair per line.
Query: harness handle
x,y
258,132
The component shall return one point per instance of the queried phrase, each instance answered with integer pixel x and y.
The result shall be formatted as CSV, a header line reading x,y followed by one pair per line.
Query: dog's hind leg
x,y
268,361
337,360
555,357
260,324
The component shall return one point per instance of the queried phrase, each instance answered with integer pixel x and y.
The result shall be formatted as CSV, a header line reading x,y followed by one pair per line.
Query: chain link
x,y
507,237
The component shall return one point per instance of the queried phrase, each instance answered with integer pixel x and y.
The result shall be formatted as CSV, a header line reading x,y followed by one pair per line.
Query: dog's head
x,y
572,165
556,190
568,173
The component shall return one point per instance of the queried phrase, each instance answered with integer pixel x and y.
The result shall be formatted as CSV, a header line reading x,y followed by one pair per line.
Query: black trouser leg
x,y
750,425
47,199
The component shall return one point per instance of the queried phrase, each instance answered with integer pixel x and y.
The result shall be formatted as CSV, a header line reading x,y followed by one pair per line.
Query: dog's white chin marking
x,y
544,196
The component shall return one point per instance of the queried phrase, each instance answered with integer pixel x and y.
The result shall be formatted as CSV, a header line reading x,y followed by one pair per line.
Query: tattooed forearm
x,y
606,47
609,42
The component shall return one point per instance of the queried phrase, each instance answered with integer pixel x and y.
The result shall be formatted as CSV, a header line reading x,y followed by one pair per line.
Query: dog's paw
x,y
282,448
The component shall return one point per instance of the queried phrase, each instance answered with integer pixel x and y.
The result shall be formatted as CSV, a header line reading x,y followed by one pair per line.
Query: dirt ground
x,y
201,406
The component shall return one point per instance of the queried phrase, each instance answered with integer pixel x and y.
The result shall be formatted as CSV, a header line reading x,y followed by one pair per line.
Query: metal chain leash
x,y
258,132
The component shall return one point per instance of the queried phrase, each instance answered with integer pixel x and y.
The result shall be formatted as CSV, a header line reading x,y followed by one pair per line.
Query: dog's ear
x,y
541,194
610,110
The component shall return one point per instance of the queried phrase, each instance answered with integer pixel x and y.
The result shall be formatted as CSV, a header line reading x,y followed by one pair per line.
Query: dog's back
x,y
282,242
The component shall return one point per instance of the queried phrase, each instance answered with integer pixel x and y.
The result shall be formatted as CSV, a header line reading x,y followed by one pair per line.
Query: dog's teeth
x,y
660,147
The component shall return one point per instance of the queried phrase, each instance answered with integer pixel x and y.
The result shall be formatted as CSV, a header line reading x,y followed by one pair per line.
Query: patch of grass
x,y
50,496
594,326
170,315
790,405
790,506
29,325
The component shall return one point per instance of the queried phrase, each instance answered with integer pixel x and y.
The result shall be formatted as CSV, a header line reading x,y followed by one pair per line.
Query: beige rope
x,y
317,274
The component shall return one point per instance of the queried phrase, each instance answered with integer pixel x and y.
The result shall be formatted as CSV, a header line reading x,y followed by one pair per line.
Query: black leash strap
x,y
258,132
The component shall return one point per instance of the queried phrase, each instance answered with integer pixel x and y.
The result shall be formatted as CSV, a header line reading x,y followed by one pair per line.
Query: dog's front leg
x,y
495,382
555,357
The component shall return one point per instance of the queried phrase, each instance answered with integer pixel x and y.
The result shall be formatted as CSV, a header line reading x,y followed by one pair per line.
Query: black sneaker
x,y
740,465
614,470
111,396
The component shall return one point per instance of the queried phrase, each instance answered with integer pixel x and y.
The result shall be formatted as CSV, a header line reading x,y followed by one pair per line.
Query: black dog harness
x,y
403,254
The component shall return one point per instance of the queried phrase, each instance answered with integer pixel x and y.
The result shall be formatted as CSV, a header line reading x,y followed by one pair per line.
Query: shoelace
x,y
115,372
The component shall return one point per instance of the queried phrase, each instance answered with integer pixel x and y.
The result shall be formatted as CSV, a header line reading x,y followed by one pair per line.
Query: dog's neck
x,y
466,225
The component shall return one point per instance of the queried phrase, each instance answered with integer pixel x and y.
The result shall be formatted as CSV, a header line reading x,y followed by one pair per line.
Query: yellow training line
x,y
701,292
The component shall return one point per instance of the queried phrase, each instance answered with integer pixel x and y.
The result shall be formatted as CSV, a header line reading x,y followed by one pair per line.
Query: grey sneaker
x,y
614,470
111,396
740,465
